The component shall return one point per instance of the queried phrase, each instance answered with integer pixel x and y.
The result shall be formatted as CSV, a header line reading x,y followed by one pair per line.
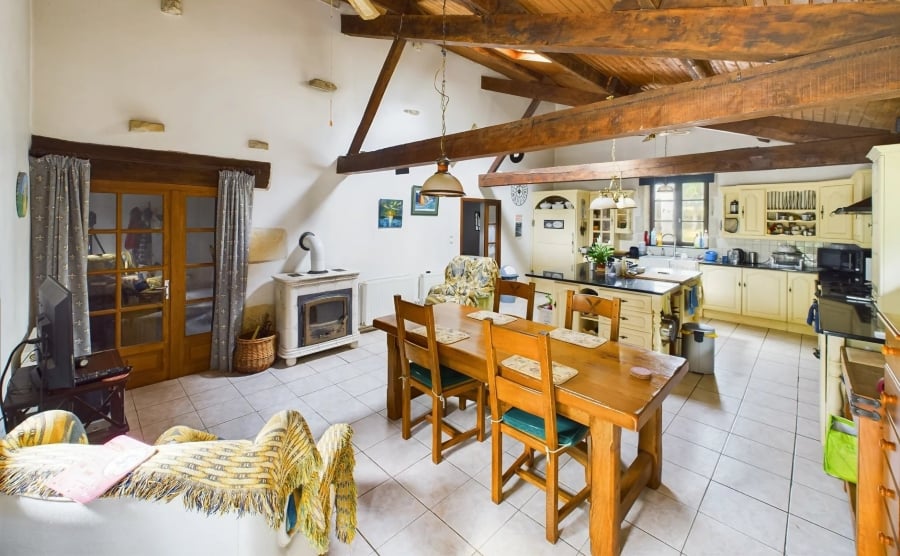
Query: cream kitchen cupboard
x,y
560,230
721,288
764,294
751,211
838,226
607,224
885,226
862,223
801,290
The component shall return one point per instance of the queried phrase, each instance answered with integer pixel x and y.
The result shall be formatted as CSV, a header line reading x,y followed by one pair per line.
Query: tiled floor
x,y
742,472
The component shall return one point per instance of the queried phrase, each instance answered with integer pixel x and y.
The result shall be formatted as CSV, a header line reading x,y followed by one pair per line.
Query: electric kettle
x,y
710,256
736,256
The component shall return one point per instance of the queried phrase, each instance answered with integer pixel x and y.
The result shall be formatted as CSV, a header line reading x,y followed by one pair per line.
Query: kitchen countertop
x,y
857,321
765,266
584,275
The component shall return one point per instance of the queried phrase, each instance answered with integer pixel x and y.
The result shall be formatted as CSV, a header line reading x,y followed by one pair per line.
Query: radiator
x,y
426,280
376,296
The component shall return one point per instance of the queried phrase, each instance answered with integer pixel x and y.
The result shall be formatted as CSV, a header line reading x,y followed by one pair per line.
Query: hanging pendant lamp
x,y
442,183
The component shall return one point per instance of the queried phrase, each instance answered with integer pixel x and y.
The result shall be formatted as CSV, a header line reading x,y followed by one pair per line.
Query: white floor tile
x,y
385,511
753,481
745,514
470,512
710,538
807,539
426,535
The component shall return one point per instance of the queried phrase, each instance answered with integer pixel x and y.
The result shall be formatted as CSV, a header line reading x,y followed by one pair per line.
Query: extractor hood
x,y
859,207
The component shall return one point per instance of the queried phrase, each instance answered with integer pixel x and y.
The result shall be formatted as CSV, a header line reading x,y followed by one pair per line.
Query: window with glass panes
x,y
679,207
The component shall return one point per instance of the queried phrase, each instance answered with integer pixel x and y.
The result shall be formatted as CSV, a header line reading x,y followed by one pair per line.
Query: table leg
x,y
394,390
606,518
650,442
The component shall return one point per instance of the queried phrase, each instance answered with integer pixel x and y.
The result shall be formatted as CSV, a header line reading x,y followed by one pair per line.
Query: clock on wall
x,y
519,194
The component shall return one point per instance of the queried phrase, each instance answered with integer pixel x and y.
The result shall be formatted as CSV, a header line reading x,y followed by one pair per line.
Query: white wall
x,y
15,122
226,72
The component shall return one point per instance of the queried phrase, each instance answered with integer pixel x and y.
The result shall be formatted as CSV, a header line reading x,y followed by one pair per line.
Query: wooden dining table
x,y
603,395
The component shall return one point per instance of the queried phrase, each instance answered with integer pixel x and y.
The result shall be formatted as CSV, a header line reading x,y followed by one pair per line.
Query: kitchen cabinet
x,y
862,223
835,226
885,226
764,293
722,288
560,230
750,216
762,297
801,290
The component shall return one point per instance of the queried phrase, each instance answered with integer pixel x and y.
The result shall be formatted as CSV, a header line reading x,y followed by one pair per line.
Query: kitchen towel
x,y
692,300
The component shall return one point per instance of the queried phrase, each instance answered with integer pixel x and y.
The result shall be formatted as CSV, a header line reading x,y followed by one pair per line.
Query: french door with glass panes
x,y
151,275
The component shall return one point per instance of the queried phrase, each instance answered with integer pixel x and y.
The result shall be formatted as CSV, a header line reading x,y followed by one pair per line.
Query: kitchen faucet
x,y
673,243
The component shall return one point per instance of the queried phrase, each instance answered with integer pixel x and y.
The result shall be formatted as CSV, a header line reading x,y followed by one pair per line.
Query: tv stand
x,y
102,401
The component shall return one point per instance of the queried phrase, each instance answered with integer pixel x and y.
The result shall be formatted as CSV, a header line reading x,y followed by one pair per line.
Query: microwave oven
x,y
849,258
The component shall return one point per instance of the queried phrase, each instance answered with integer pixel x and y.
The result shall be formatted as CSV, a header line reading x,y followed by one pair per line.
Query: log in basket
x,y
255,351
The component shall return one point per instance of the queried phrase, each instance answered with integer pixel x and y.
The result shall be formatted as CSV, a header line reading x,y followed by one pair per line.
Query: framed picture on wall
x,y
390,213
423,204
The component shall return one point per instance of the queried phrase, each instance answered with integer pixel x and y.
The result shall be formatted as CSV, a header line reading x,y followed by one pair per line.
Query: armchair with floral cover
x,y
468,280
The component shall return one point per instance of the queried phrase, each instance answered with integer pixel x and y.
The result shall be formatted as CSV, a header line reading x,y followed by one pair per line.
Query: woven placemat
x,y
497,317
532,368
441,334
577,338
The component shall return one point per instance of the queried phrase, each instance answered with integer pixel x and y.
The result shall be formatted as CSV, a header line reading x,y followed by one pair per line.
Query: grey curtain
x,y
60,186
233,214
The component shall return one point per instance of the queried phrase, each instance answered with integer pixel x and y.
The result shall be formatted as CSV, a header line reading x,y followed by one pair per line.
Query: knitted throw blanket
x,y
282,475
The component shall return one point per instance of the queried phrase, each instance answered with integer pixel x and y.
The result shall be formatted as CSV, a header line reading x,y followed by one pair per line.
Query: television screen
x,y
56,349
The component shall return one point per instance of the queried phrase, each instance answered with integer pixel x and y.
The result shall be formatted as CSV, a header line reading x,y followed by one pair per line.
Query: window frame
x,y
678,182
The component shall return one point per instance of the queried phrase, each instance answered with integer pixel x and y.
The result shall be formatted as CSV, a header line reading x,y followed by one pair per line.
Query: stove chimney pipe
x,y
310,242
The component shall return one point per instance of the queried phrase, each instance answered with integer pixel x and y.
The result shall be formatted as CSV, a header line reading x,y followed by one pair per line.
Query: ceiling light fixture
x,y
613,197
442,183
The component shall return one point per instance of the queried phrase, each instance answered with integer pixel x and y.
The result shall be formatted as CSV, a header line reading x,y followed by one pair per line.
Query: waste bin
x,y
508,273
698,346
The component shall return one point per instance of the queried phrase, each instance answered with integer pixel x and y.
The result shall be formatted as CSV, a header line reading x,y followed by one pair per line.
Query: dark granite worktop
x,y
766,266
588,276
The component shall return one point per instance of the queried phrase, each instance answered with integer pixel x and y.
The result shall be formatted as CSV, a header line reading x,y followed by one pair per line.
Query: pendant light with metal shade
x,y
442,183
613,197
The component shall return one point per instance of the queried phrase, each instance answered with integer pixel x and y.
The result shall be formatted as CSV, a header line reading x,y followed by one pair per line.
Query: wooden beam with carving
x,y
806,155
529,112
868,71
387,71
748,33
542,91
792,130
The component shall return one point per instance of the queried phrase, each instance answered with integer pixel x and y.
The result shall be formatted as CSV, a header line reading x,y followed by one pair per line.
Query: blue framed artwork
x,y
390,213
423,204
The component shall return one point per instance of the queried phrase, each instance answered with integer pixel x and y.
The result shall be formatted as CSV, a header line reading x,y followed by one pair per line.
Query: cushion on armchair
x,y
468,280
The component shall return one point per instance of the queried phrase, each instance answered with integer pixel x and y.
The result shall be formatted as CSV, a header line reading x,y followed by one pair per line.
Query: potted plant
x,y
599,253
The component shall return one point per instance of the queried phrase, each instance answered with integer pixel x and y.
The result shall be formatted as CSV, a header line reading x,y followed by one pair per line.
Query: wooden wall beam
x,y
377,94
132,164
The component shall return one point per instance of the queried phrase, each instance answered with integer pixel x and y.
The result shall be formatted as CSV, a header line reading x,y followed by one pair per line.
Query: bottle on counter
x,y
697,240
704,239
652,237
659,239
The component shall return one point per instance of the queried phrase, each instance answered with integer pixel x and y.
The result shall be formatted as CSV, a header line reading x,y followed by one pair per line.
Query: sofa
x,y
468,280
196,494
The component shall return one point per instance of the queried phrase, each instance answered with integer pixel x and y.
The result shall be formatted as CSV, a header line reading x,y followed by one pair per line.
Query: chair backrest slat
x,y
516,289
594,305
508,387
422,350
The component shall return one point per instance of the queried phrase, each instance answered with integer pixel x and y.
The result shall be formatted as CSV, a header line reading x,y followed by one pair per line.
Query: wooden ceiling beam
x,y
480,7
493,60
806,155
747,33
586,75
863,72
529,112
792,130
542,91
377,94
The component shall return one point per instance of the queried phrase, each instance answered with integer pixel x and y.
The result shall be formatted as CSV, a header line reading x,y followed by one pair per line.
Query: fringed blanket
x,y
282,475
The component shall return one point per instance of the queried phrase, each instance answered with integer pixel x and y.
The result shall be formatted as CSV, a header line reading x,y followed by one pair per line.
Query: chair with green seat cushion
x,y
420,370
527,407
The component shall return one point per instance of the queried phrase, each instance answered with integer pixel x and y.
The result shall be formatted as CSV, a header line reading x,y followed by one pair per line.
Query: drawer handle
x,y
886,445
885,540
888,399
622,318
886,492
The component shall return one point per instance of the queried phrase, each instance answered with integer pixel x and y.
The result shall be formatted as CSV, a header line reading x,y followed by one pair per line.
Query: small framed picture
x,y
423,204
390,213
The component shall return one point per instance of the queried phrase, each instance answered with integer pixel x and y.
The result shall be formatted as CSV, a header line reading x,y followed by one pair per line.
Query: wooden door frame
x,y
484,203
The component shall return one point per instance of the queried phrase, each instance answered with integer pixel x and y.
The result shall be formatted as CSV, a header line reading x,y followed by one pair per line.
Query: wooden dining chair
x,y
516,289
596,306
527,412
421,370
